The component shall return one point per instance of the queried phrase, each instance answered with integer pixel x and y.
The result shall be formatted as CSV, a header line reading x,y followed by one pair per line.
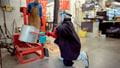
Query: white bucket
x,y
27,36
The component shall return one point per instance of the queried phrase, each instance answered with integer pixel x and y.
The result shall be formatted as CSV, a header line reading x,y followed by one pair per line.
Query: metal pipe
x,y
0,2
56,10
0,49
0,57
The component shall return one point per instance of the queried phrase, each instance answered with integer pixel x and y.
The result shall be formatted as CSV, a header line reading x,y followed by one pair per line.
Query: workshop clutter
x,y
82,33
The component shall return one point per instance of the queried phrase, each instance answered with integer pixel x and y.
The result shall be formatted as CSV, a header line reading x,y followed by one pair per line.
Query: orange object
x,y
64,4
22,49
44,18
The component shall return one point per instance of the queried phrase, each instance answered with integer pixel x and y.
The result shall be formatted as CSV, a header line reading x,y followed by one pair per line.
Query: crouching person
x,y
68,42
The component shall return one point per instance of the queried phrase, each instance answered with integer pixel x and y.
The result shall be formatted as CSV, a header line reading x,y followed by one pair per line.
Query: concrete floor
x,y
103,53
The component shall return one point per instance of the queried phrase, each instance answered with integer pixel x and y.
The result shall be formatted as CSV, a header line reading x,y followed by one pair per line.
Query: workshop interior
x,y
59,33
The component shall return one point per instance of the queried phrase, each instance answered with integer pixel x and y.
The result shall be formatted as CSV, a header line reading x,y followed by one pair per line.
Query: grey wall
x,y
11,16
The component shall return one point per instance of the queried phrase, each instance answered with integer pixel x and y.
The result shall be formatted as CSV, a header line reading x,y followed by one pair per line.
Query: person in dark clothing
x,y
67,40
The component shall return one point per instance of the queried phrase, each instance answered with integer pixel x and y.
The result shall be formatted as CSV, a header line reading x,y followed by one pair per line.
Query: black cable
x,y
0,47
0,57
2,32
7,32
0,3
4,17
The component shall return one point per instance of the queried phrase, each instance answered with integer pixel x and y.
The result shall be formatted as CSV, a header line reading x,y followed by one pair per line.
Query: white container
x,y
27,36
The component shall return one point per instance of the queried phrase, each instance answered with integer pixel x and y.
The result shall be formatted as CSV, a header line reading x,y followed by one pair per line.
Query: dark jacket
x,y
68,40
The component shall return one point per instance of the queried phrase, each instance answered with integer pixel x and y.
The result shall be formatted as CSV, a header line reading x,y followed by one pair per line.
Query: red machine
x,y
22,49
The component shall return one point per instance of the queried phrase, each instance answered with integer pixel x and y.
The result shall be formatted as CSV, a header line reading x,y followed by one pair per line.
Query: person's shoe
x,y
86,60
84,57
68,67
60,58
46,58
86,67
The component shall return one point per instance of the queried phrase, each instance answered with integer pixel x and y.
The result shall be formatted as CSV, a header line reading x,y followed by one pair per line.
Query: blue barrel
x,y
42,38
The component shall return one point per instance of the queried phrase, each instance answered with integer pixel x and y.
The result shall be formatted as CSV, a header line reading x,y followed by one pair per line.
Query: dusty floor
x,y
103,53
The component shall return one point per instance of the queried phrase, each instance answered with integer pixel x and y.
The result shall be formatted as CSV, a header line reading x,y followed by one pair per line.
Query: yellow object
x,y
8,8
82,34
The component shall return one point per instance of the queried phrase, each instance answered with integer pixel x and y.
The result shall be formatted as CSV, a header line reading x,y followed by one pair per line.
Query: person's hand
x,y
47,33
41,24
